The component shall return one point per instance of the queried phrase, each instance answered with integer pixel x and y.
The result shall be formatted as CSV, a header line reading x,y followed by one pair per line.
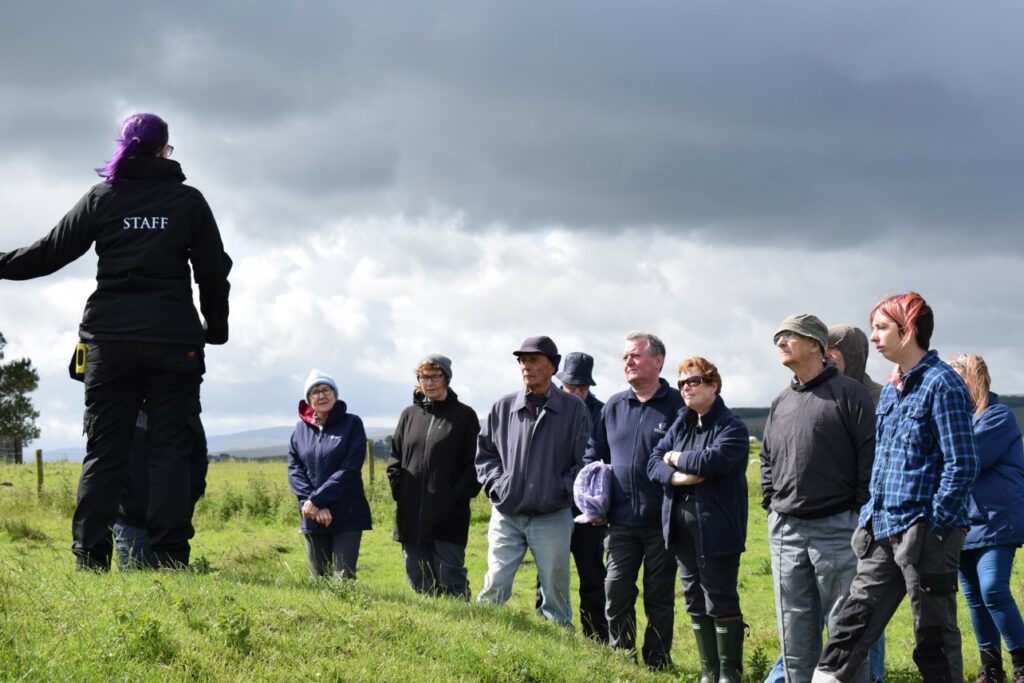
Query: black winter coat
x,y
147,228
431,470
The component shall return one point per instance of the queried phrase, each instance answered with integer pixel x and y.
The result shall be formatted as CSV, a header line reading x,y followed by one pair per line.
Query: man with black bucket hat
x,y
528,454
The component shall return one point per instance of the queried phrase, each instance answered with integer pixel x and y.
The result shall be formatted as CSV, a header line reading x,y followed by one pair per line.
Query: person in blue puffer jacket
x,y
325,461
997,525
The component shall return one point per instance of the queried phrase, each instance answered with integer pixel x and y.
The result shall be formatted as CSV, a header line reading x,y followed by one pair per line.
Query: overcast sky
x,y
394,179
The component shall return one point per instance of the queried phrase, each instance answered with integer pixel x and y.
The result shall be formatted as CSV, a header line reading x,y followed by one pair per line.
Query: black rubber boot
x,y
991,667
707,647
1017,660
729,638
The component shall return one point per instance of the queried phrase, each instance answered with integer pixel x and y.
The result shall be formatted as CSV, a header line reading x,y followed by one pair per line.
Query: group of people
x,y
873,493
865,504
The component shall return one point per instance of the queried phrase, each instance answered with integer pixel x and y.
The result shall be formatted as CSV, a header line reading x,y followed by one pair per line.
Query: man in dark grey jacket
x,y
815,469
528,454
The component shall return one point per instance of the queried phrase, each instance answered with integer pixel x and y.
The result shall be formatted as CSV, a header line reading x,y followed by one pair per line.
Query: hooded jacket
x,y
720,455
527,464
325,465
431,470
147,228
853,344
997,516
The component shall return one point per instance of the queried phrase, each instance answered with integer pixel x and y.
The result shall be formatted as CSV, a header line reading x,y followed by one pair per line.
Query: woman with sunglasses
x,y
432,479
997,525
702,463
325,471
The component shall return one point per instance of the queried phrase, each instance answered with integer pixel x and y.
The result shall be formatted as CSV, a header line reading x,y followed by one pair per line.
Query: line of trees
x,y
18,416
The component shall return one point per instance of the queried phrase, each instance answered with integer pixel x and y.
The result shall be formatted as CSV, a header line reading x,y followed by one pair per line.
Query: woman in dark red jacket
x,y
432,479
702,462
325,462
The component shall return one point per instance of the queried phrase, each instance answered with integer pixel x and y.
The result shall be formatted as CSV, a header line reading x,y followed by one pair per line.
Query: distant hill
x,y
754,418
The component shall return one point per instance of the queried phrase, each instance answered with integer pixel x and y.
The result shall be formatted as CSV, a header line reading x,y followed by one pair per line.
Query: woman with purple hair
x,y
141,337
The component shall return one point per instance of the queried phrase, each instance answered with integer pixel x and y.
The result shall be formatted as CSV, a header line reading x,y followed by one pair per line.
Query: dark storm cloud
x,y
818,122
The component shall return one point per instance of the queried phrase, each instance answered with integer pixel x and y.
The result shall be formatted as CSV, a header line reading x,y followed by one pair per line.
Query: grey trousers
x,y
812,566
340,550
628,548
437,569
916,563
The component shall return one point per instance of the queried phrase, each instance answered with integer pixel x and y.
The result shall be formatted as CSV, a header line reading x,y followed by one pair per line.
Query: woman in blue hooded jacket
x,y
325,462
997,525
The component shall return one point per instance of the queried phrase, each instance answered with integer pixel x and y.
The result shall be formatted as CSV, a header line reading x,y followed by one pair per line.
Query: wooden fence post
x,y
39,470
369,456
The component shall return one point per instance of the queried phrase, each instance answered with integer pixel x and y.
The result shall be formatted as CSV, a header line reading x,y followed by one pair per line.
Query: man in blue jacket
x,y
528,454
631,424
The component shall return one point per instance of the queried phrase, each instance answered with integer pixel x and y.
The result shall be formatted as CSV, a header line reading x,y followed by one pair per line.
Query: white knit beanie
x,y
319,377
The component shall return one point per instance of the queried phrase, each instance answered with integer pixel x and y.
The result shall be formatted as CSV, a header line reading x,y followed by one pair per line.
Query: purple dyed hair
x,y
141,135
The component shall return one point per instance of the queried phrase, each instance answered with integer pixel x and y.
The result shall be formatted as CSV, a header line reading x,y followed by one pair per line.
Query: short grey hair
x,y
655,347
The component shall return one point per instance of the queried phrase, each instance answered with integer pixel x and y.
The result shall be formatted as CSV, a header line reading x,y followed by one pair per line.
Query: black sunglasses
x,y
694,381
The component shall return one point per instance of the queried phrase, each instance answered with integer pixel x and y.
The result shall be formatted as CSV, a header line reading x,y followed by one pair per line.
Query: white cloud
x,y
393,181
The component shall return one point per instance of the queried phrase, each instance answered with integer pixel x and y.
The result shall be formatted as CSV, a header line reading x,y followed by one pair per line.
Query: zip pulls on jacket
x,y
424,479
632,462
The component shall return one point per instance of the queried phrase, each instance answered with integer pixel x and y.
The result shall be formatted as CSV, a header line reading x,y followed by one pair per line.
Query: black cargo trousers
x,y
119,377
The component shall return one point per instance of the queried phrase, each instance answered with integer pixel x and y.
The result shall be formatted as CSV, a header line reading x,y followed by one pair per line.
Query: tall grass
x,y
249,611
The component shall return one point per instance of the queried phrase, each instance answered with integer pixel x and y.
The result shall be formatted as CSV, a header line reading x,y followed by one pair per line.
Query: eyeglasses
x,y
694,381
786,336
323,391
170,151
427,379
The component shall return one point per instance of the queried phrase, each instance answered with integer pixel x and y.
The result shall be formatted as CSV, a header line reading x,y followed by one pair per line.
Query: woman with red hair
x,y
911,530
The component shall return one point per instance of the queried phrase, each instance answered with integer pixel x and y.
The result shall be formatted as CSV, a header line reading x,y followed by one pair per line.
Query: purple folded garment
x,y
592,492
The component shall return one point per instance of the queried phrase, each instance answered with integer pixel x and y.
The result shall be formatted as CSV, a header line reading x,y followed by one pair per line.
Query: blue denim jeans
x,y
548,537
134,550
985,579
876,664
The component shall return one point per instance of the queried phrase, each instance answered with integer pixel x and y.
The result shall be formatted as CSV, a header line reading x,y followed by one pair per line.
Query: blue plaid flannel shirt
x,y
925,459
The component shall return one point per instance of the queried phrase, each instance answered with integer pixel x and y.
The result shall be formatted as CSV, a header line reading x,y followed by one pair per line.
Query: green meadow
x,y
248,611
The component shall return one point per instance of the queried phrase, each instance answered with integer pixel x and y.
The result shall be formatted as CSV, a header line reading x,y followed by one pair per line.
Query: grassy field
x,y
248,610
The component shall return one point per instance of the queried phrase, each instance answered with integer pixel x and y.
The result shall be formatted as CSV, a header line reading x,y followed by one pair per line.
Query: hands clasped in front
x,y
318,515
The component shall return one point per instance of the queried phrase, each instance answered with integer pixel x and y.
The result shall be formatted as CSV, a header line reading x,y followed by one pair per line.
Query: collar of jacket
x,y
663,388
914,375
420,399
152,168
825,375
556,399
308,415
717,408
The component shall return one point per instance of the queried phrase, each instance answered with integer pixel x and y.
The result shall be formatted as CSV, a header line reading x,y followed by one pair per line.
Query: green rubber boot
x,y
707,647
729,638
